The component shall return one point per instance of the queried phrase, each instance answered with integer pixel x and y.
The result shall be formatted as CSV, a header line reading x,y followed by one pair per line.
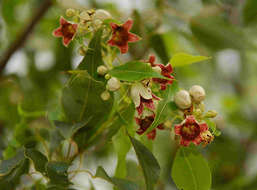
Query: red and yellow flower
x,y
66,30
121,36
145,122
191,131
164,70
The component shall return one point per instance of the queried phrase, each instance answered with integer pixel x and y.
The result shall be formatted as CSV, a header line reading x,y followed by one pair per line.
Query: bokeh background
x,y
226,30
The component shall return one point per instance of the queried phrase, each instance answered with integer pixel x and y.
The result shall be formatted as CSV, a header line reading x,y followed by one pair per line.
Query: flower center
x,y
121,36
146,122
68,31
190,131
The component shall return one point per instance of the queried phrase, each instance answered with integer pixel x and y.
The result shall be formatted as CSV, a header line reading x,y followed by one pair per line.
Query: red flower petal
x,y
203,127
114,26
58,32
124,49
140,109
66,41
184,142
177,129
161,127
128,25
111,42
155,97
133,38
63,21
152,60
149,104
151,135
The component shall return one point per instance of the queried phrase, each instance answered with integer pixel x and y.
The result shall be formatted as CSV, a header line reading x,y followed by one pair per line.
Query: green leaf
x,y
122,145
148,162
183,59
12,179
93,57
190,170
57,173
121,184
163,106
82,102
134,71
67,130
250,12
6,166
39,159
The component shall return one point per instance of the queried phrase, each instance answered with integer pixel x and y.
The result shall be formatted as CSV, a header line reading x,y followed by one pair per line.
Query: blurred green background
x,y
226,30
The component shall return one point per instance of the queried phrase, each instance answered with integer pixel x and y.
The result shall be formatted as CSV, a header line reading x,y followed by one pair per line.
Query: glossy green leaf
x,y
122,145
82,102
93,57
6,166
67,130
250,12
134,71
183,59
148,162
163,106
121,184
57,173
39,159
12,179
190,171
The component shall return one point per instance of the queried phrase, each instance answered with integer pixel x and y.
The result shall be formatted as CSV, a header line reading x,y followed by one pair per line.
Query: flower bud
x,y
182,99
70,12
102,14
157,69
113,84
85,16
107,76
197,92
105,96
102,70
211,114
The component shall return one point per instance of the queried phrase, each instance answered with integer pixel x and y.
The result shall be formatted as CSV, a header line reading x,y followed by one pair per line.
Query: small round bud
x,y
70,12
102,70
82,51
113,84
102,14
182,99
85,16
157,69
107,76
105,96
211,114
197,92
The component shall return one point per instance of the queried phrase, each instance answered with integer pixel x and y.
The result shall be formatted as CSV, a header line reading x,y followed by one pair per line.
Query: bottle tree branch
x,y
21,39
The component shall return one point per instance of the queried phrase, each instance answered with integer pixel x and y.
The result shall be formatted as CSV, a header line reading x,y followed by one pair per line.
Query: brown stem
x,y
21,39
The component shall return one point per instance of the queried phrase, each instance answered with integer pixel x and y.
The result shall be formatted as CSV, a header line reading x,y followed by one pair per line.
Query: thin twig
x,y
21,39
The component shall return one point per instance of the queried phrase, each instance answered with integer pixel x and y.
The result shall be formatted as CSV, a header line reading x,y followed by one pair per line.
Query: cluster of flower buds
x,y
193,129
82,22
113,84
